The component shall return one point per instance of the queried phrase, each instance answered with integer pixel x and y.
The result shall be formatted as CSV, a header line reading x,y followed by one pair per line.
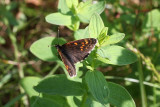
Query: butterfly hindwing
x,y
75,51
70,67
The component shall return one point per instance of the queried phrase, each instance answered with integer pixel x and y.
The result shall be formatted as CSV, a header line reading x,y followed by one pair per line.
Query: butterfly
x,y
75,51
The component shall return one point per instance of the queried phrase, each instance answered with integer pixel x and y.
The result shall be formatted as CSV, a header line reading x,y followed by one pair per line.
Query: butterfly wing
x,y
80,49
67,61
75,51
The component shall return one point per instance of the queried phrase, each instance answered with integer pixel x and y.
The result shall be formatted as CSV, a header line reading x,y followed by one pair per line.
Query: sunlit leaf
x,y
87,9
59,19
152,19
103,35
62,7
81,33
44,48
116,55
72,3
28,83
95,26
115,38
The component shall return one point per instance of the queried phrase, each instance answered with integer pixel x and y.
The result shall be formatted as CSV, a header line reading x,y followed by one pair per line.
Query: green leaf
x,y
87,9
49,102
152,19
71,101
59,85
119,96
97,86
7,15
95,26
81,34
59,19
116,55
72,3
115,38
44,48
103,35
75,25
27,83
62,7
90,102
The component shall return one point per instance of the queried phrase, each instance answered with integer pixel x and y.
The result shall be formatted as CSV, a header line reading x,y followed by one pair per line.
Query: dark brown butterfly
x,y
75,51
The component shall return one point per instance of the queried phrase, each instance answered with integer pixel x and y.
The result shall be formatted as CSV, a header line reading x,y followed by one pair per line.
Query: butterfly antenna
x,y
57,40
58,35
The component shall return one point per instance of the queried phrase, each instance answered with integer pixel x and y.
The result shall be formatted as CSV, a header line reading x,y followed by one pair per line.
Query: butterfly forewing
x,y
80,49
75,51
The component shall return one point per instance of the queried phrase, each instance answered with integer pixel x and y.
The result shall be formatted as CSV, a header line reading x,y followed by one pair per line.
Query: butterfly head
x,y
57,46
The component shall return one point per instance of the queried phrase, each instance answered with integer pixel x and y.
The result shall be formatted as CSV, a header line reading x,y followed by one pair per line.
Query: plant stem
x,y
154,97
53,70
134,81
84,98
142,88
147,61
13,40
14,100
12,37
7,77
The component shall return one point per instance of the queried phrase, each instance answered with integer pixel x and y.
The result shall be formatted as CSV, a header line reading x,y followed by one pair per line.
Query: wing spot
x,y
67,67
81,49
76,43
68,43
82,43
86,41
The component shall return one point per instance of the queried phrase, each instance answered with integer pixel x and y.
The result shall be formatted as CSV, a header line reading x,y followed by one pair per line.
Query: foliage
x,y
95,80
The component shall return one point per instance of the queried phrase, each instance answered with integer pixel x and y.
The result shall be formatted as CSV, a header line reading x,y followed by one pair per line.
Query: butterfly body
x,y
75,51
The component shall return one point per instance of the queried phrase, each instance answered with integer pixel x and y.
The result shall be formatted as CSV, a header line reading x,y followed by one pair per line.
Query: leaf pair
x,y
71,13
56,91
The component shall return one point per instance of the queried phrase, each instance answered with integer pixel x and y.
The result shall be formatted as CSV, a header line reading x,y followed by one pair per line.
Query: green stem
x,y
147,62
154,97
155,71
7,77
134,81
14,100
142,88
12,37
20,70
84,98
53,70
